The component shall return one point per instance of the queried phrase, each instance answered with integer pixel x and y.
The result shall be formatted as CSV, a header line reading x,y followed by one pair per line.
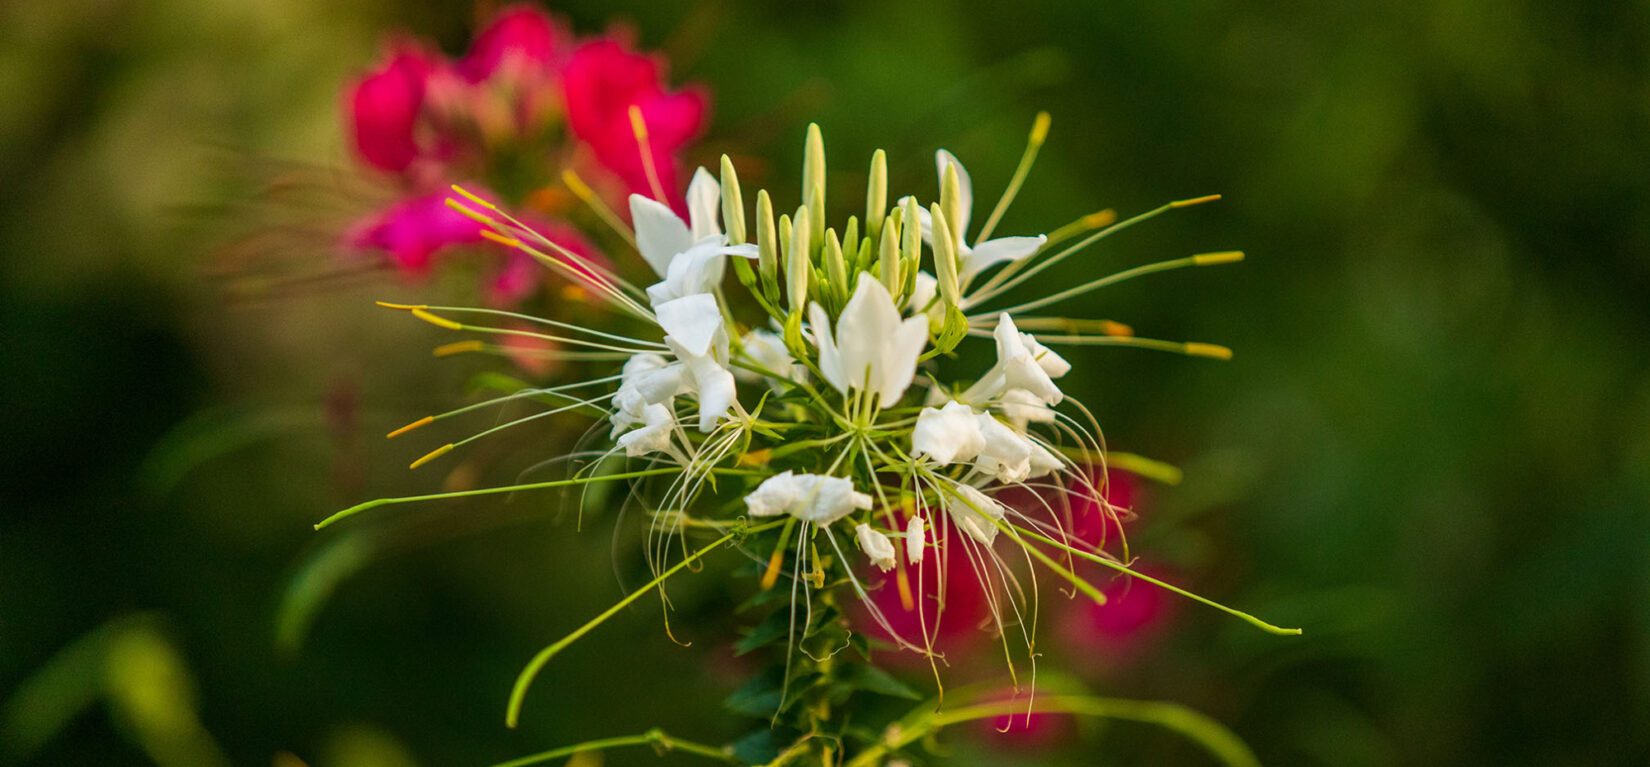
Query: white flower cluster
x,y
872,349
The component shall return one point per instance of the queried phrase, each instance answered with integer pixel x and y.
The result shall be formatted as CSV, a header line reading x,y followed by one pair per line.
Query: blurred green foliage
x,y
1432,449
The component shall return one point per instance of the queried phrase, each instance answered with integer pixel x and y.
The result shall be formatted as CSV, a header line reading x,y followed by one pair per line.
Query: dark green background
x,y
1432,449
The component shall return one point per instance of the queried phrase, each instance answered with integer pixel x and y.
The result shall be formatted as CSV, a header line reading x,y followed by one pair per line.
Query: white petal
x,y
653,437
899,360
776,495
830,360
716,390
660,235
1020,369
767,350
1007,454
829,499
864,331
974,513
1052,364
693,321
1021,407
656,386
992,252
916,539
1042,462
948,435
966,187
704,200
876,546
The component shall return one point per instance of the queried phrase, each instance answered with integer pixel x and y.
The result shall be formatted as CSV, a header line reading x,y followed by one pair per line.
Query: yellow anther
x,y
388,305
1194,201
459,347
755,458
1039,128
1117,329
1214,351
508,242
472,198
477,216
409,427
1100,218
1223,257
433,454
443,322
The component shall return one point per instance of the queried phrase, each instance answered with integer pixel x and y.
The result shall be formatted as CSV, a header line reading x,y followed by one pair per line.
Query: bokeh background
x,y
1432,449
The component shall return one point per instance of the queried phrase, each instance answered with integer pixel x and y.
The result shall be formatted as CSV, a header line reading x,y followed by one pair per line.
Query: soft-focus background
x,y
1432,449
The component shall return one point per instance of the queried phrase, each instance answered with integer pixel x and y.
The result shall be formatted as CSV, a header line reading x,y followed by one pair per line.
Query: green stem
x,y
655,737
518,693
358,508
1201,729
1120,567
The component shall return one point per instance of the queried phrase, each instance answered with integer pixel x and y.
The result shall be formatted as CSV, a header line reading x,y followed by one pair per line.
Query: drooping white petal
x,y
916,539
965,186
1019,368
776,495
830,359
660,234
1021,407
877,547
694,321
704,200
698,269
974,512
948,435
654,436
1051,363
831,499
1006,454
812,498
1042,462
992,252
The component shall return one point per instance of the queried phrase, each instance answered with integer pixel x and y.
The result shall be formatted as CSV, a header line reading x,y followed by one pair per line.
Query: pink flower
x,y
957,630
523,42
1121,630
601,82
412,231
384,109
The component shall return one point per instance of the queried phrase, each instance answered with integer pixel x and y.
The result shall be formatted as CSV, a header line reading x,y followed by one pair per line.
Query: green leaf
x,y
760,697
773,628
763,746
859,676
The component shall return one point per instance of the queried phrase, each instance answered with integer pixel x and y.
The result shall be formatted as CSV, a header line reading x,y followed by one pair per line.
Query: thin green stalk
x,y
655,737
518,693
358,508
1201,729
1120,567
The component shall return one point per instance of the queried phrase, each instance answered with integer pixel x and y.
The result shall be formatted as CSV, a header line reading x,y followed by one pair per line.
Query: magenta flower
x,y
385,106
603,80
523,103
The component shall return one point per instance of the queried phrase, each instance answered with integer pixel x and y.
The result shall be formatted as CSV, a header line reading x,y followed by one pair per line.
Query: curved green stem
x,y
360,507
1120,567
1201,729
518,693
655,737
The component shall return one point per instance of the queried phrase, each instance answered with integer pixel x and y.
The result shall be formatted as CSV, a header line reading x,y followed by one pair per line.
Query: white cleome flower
x,y
948,435
694,332
812,498
1022,363
977,258
690,257
916,539
653,436
974,512
876,546
872,349
1021,408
